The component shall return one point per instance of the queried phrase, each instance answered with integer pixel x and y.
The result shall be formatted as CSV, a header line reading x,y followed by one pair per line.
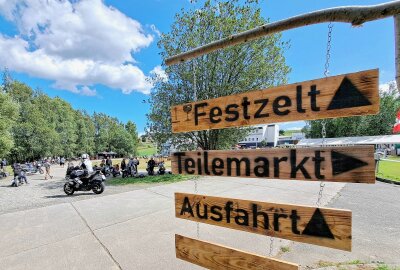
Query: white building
x,y
267,133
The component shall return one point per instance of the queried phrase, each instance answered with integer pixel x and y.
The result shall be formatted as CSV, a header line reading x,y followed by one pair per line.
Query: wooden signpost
x,y
339,96
319,226
217,257
336,164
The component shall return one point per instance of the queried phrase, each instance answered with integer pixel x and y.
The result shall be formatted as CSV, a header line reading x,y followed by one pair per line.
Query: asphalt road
x,y
135,229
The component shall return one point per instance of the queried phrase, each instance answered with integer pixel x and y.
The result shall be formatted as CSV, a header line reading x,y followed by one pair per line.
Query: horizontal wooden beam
x,y
318,226
218,257
356,15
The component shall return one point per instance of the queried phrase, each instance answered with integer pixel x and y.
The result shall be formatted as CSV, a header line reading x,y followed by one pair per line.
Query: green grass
x,y
285,249
389,170
385,267
340,265
394,158
146,149
289,132
167,178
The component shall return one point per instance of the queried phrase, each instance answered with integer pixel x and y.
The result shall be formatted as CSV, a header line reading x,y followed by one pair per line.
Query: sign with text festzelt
x,y
335,164
212,256
319,226
339,96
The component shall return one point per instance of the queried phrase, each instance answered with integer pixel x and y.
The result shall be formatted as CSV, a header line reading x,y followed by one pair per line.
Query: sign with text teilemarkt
x,y
339,96
335,164
319,226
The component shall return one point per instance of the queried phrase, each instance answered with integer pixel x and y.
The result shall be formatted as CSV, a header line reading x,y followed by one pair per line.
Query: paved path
x,y
135,229
40,192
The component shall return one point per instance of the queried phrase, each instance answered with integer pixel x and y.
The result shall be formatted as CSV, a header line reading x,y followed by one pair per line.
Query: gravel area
x,y
40,192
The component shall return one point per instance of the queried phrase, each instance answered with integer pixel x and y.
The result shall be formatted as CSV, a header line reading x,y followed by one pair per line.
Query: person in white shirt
x,y
86,163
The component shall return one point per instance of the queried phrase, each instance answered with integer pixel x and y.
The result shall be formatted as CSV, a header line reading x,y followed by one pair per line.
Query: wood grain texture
x,y
218,257
339,96
319,226
334,164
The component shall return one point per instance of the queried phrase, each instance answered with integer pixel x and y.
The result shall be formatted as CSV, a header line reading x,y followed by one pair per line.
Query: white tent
x,y
383,139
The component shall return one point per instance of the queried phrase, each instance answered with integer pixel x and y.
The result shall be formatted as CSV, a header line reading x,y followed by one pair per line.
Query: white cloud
x,y
86,91
159,73
155,29
75,43
385,86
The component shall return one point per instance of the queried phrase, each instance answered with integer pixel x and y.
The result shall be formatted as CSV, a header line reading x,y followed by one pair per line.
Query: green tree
x,y
368,125
85,139
132,130
253,65
8,115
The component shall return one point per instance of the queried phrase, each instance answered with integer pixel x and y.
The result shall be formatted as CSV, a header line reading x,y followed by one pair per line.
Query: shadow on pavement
x,y
69,196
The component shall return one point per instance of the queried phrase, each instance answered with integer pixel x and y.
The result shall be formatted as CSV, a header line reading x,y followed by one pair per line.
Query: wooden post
x,y
356,15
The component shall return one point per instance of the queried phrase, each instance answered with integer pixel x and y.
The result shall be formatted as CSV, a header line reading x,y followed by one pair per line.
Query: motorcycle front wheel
x,y
68,189
98,188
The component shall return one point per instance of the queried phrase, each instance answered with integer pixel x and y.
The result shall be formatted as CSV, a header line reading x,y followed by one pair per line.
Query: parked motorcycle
x,y
80,180
19,178
38,168
161,168
107,171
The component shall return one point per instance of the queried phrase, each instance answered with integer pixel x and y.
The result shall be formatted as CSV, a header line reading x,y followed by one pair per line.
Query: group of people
x,y
129,166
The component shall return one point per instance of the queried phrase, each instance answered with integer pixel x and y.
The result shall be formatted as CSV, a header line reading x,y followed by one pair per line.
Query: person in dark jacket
x,y
123,164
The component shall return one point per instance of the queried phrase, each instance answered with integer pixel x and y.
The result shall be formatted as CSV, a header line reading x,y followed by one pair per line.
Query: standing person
x,y
123,164
47,166
150,166
109,162
2,166
131,167
136,164
62,162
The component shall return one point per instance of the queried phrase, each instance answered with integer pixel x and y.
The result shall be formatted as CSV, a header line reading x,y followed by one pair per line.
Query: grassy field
x,y
389,170
146,149
167,178
289,132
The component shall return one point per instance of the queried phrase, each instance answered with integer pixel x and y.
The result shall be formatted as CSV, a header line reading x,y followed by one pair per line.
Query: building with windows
x,y
267,133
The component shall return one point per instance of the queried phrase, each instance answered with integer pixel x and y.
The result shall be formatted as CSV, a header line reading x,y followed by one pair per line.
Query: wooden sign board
x,y
335,164
332,97
212,256
319,226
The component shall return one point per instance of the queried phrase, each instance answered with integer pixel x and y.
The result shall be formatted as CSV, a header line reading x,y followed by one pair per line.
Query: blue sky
x,y
78,50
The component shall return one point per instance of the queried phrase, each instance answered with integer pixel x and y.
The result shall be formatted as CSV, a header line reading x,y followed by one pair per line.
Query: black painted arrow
x,y
347,96
317,226
342,163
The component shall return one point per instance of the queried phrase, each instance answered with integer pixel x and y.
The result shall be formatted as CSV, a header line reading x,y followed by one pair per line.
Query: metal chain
x,y
271,245
323,130
328,49
195,99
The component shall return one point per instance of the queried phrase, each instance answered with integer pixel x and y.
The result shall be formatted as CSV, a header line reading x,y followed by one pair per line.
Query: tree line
x,y
34,125
368,125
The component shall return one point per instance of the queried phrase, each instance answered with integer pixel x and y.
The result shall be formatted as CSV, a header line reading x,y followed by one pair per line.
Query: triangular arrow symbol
x,y
347,96
317,226
342,163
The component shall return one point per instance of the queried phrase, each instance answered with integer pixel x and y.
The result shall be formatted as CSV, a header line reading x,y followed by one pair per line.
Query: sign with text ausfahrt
x,y
334,164
339,96
319,226
212,256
